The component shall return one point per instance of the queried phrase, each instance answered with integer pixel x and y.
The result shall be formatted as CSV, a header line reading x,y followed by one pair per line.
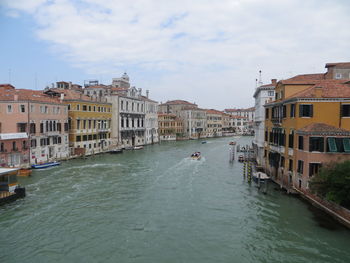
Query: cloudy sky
x,y
208,52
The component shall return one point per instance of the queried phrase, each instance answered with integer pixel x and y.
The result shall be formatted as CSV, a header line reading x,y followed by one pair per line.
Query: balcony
x,y
277,148
13,136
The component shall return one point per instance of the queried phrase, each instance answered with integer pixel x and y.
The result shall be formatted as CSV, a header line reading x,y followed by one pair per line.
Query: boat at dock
x,y
9,187
45,165
241,158
260,176
204,142
196,156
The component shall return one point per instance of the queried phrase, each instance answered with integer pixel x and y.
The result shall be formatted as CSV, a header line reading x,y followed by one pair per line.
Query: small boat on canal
x,y
45,165
196,156
138,147
204,142
232,143
241,158
116,151
9,187
260,175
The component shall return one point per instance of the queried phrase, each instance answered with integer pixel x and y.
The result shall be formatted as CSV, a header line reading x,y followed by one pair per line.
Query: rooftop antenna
x,y
260,81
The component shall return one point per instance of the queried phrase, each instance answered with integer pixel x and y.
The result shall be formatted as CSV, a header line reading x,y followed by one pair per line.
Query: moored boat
x,y
196,156
260,175
24,172
241,158
204,142
45,165
232,143
9,187
116,151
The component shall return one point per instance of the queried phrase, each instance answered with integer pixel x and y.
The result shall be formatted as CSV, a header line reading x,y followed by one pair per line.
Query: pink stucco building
x,y
33,127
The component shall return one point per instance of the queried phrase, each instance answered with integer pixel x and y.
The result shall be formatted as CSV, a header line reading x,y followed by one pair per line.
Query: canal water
x,y
157,205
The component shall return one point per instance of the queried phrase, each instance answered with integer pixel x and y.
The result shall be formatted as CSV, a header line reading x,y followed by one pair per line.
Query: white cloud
x,y
209,50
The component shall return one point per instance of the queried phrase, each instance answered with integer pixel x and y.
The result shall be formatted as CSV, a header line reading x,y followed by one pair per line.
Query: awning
x,y
346,143
332,145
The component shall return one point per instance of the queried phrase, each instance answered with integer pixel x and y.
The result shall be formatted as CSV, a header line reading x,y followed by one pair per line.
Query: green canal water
x,y
157,205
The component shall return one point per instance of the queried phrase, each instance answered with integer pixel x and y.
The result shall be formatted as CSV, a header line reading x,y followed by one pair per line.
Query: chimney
x,y
147,93
61,97
273,81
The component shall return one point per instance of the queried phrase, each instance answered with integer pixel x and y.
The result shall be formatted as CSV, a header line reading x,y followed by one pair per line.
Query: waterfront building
x,y
34,127
248,115
89,122
239,124
305,126
227,128
131,118
195,122
262,95
214,123
170,127
151,120
194,118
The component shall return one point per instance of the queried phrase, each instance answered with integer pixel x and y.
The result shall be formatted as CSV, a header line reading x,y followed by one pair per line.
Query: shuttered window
x,y
346,144
332,147
305,110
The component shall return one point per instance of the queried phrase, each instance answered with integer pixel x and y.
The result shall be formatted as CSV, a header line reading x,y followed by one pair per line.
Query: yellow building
x,y
214,123
170,127
309,114
89,122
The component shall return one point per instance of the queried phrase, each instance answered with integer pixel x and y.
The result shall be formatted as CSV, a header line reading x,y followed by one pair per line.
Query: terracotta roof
x,y
338,65
322,128
331,88
166,114
213,111
304,79
178,102
12,94
7,86
72,94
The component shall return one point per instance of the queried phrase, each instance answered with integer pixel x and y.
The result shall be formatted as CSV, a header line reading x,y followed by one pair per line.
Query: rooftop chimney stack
x,y
273,81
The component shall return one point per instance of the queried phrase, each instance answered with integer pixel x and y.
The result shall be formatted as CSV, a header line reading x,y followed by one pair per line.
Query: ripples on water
x,y
158,205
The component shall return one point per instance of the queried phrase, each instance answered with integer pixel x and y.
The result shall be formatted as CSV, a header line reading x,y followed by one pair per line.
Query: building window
x,y
9,108
291,140
345,110
78,138
32,128
305,110
338,76
32,108
14,146
284,111
316,144
301,143
33,143
314,168
292,110
68,106
290,166
78,106
270,93
300,167
2,147
84,108
22,108
267,113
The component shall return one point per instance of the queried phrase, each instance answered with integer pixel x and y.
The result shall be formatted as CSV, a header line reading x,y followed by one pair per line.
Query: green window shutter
x,y
346,143
300,110
332,145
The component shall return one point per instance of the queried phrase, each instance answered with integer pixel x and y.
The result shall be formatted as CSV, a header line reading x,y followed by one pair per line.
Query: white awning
x,y
11,136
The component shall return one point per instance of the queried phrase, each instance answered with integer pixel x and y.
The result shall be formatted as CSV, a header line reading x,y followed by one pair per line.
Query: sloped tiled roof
x,y
330,88
213,111
12,94
338,65
304,79
179,102
322,128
